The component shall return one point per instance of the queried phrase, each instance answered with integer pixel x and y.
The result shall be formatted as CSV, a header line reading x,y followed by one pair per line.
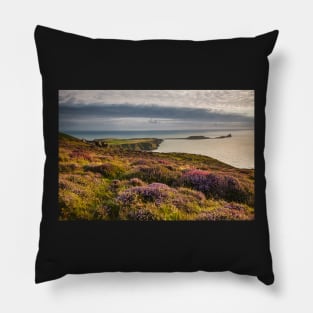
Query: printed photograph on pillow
x,y
156,155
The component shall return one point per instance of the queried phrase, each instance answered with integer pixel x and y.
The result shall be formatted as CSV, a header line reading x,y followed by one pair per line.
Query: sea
x,y
237,150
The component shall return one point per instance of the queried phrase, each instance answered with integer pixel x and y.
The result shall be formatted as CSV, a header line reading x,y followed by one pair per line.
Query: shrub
x,y
115,185
136,182
156,173
108,170
79,154
68,167
72,206
231,213
164,162
215,185
193,194
155,192
111,209
141,215
140,162
70,186
161,195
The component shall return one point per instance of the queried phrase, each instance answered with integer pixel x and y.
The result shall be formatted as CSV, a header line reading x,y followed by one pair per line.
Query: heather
x,y
123,180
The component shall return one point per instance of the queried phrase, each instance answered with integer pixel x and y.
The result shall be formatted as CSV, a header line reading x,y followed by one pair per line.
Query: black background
x,y
72,62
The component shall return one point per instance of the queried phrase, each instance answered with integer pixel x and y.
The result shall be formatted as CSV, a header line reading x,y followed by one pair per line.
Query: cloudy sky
x,y
102,110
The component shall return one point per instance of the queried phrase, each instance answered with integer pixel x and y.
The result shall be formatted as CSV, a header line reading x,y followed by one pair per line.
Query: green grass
x,y
136,144
112,141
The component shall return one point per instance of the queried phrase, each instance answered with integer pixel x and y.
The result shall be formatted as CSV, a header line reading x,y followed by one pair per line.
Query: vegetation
x,y
131,144
203,137
120,179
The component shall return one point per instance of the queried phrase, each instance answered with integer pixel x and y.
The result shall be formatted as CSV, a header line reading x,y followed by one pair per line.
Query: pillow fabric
x,y
154,155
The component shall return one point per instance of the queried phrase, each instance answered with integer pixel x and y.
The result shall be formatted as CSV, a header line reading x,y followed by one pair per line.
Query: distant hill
x,y
137,144
202,137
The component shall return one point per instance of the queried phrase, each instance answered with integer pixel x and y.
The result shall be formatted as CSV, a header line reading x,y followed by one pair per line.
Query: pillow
x,y
154,155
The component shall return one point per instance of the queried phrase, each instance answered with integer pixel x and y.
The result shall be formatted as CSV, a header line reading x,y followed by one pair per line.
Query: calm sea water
x,y
237,151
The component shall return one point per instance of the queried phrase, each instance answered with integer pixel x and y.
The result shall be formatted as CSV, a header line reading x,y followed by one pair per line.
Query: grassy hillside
x,y
121,180
130,144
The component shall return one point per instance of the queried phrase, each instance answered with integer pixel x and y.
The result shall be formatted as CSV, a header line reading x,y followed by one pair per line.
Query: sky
x,y
111,110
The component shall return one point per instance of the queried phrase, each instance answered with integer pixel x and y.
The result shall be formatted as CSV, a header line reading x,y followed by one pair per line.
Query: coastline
x,y
235,149
118,180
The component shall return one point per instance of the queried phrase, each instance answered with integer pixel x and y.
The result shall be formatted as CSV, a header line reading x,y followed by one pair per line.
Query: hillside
x,y
120,180
137,144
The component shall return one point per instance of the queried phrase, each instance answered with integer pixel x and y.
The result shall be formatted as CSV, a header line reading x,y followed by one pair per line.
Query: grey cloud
x,y
228,101
148,111
95,109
